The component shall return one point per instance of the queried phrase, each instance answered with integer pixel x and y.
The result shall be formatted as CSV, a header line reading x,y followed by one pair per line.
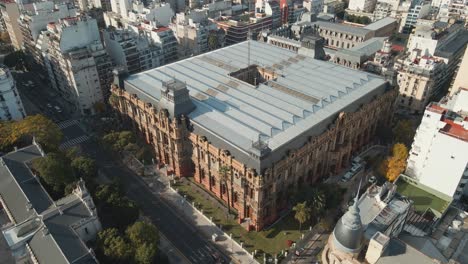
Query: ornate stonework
x,y
258,196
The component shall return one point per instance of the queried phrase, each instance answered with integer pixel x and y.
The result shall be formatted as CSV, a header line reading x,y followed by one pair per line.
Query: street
x,y
184,236
39,97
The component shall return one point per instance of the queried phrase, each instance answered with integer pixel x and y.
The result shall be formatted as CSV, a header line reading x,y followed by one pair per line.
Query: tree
x,y
114,100
404,132
146,253
113,246
317,201
142,233
393,166
114,207
303,212
144,237
213,40
84,167
46,132
223,172
118,141
55,171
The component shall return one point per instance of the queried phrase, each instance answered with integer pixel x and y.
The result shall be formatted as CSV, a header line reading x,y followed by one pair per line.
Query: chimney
x,y
377,246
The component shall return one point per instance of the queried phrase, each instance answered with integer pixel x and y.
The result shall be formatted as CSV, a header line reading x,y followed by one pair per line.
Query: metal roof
x,y
343,28
306,96
26,199
379,24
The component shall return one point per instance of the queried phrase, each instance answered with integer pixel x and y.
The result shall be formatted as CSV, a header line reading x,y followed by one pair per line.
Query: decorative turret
x,y
348,233
175,98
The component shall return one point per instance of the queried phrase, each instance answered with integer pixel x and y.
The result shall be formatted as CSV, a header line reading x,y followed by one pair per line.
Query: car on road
x,y
217,258
372,179
58,109
299,251
347,176
49,105
356,168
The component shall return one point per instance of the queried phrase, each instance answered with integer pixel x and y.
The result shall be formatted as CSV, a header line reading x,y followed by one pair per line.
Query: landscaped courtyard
x,y
270,241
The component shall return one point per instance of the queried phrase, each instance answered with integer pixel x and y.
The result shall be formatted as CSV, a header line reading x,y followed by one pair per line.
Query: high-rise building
x,y
426,70
313,6
133,52
440,147
411,11
192,31
461,78
10,14
237,28
275,118
366,6
11,107
78,64
32,23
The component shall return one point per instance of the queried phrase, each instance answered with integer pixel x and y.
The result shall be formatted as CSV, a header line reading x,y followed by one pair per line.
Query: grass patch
x,y
270,241
422,198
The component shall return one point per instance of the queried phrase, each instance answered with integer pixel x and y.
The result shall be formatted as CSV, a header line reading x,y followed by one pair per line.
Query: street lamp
x,y
232,246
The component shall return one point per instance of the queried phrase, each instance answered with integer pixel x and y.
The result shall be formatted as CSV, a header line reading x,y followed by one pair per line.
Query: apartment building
x,y
192,31
78,64
275,132
133,52
313,6
411,11
237,28
10,14
126,12
366,6
11,107
32,23
461,78
426,70
440,147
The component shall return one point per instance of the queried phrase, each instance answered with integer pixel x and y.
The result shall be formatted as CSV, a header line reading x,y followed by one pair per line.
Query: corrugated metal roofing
x,y
306,93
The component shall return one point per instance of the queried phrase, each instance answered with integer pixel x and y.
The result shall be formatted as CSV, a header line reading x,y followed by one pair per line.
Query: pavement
x,y
160,186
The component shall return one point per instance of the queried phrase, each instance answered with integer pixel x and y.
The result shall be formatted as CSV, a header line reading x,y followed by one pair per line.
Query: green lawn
x,y
271,241
422,198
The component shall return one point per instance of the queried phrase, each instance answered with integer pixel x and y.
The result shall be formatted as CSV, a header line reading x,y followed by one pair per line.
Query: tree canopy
x,y
302,213
394,165
119,141
21,132
404,132
55,171
114,207
138,244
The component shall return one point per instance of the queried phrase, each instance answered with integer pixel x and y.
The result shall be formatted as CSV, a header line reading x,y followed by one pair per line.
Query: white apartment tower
x,y
11,107
78,65
366,6
439,155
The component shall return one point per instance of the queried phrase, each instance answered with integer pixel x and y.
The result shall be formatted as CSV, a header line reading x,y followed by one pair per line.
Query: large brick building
x,y
275,118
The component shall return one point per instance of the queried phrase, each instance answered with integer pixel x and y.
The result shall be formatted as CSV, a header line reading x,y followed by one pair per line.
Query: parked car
x,y
356,168
49,105
58,109
348,176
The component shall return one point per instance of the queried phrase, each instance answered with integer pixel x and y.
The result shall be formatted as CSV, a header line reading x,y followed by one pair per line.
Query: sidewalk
x,y
160,185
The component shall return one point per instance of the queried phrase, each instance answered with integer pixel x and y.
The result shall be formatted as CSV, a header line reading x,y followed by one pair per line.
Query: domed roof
x,y
348,233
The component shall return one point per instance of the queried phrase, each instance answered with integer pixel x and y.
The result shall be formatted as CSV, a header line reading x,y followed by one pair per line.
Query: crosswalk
x,y
67,123
73,142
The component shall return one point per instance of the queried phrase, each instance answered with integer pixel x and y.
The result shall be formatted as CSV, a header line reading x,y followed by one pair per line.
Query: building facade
x,y
78,65
440,147
10,14
11,107
366,6
131,51
258,122
32,23
237,28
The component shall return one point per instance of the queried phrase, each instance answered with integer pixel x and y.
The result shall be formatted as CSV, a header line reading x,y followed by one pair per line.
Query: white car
x,y
49,105
58,109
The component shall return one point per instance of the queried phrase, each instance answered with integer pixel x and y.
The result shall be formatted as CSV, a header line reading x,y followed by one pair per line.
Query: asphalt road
x,y
182,234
